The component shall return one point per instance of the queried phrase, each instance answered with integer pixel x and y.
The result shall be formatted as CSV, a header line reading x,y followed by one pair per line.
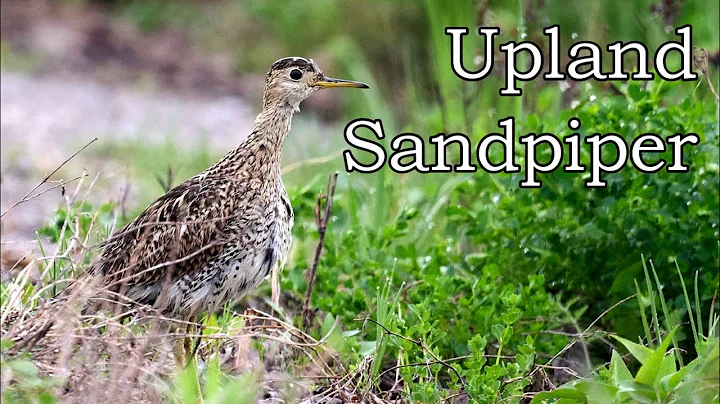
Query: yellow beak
x,y
328,82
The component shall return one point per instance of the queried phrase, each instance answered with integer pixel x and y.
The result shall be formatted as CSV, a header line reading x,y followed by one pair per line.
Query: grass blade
x,y
687,303
646,327
666,313
653,308
698,311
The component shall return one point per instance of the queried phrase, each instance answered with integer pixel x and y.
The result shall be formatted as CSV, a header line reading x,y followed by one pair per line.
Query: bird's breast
x,y
263,243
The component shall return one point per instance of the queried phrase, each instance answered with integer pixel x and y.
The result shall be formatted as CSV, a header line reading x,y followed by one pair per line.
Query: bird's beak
x,y
329,82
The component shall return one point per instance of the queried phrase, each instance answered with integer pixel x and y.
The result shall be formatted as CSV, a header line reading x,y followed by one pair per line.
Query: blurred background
x,y
167,87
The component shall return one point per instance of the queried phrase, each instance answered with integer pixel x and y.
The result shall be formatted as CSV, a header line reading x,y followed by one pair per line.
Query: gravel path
x,y
51,111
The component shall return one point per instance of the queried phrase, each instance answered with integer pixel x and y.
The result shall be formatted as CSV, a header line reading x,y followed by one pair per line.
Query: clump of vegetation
x,y
662,376
587,242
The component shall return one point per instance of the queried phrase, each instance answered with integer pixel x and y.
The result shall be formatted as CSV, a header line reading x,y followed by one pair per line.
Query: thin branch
x,y
45,180
321,220
314,161
585,332
59,184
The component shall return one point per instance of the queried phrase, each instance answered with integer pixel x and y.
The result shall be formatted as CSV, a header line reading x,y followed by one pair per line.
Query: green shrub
x,y
657,381
587,242
431,301
22,382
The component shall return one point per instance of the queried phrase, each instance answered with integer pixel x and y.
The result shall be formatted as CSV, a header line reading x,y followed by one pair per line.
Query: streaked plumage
x,y
217,235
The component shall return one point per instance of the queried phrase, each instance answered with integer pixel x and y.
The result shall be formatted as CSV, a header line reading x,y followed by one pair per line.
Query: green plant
x,y
587,242
501,380
82,216
658,380
22,383
428,303
662,377
217,388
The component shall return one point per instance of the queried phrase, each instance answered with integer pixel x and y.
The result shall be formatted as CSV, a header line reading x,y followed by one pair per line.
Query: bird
x,y
214,238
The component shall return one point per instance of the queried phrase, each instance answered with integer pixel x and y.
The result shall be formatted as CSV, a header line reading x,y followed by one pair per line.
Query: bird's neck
x,y
259,154
272,127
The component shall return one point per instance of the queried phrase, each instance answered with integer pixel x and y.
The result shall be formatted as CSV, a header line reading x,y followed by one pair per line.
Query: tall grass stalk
x,y
666,312
687,304
641,304
653,310
655,290
697,305
386,305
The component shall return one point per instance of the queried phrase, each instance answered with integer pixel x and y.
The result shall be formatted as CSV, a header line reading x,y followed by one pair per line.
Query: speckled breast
x,y
245,263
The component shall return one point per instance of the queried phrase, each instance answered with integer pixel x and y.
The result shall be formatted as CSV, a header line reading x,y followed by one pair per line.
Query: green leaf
x,y
567,391
350,333
596,391
187,384
367,348
214,377
649,371
667,367
46,398
6,344
332,333
669,382
278,310
497,331
701,383
641,353
25,368
618,370
327,325
241,390
637,392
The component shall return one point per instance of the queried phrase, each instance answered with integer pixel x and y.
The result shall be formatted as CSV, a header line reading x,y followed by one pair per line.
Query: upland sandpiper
x,y
216,236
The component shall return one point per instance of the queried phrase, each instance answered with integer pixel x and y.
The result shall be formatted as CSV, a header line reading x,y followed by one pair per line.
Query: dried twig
x,y
314,161
700,58
167,182
28,196
321,220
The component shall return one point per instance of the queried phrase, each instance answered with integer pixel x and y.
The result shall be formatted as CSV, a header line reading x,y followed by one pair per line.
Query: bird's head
x,y
293,79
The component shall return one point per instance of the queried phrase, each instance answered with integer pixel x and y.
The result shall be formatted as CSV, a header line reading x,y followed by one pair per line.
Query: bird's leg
x,y
183,346
179,352
188,341
275,285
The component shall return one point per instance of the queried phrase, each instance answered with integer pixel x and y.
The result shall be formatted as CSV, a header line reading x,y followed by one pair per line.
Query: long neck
x,y
272,126
259,154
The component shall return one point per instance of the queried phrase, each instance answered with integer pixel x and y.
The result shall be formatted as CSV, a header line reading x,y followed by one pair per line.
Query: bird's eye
x,y
295,74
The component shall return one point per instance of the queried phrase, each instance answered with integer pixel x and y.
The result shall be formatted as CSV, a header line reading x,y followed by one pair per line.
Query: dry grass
x,y
100,347
126,357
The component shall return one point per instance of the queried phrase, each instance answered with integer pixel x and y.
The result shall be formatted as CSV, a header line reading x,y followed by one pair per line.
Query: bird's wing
x,y
176,235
